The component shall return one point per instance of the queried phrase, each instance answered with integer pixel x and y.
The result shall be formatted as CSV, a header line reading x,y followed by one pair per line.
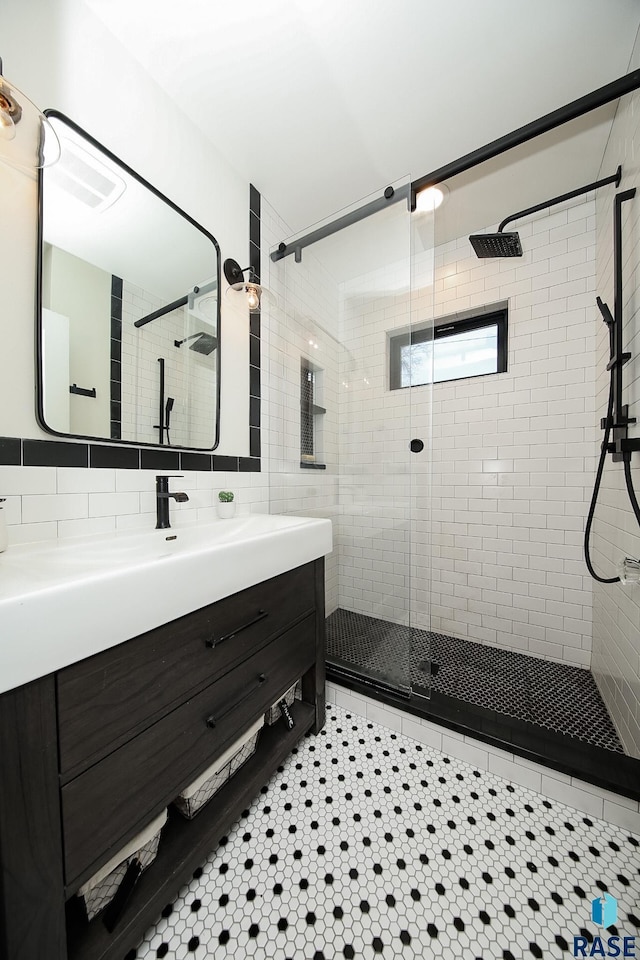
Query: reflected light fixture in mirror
x,y
22,127
234,275
431,198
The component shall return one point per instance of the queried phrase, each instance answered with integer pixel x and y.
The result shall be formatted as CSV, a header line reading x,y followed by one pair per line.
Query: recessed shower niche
x,y
129,313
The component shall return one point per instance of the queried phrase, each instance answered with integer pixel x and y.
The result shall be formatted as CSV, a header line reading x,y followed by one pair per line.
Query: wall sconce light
x,y
27,139
234,275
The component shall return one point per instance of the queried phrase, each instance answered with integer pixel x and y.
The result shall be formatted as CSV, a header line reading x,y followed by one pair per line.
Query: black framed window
x,y
453,350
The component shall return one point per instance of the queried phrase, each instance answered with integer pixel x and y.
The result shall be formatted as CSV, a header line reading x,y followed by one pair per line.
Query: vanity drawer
x,y
105,700
106,805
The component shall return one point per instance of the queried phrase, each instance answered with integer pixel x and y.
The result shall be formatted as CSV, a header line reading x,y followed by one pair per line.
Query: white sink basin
x,y
63,601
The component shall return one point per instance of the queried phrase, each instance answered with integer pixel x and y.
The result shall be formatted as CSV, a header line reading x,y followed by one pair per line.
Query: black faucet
x,y
162,501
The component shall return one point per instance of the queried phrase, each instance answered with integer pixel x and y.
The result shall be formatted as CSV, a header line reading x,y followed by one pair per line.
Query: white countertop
x,y
62,601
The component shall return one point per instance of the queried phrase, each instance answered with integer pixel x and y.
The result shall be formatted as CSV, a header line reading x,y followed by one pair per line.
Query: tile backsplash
x,y
44,503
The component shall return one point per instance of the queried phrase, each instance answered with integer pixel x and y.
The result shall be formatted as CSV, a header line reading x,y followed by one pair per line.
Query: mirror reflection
x,y
129,319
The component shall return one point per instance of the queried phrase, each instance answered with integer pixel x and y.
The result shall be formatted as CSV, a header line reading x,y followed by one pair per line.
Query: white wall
x,y
71,62
63,57
616,640
82,292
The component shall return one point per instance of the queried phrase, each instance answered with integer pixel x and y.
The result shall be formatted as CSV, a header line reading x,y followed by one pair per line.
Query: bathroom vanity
x,y
91,752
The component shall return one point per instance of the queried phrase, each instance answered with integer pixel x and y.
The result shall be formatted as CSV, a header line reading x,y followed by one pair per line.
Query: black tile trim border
x,y
17,451
118,458
10,451
54,453
604,768
160,459
196,461
116,356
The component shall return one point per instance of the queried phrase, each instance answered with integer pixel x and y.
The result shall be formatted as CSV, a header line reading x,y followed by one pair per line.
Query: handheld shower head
x,y
167,412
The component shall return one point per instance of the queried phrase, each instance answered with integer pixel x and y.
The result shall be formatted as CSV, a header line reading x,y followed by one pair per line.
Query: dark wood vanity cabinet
x,y
91,754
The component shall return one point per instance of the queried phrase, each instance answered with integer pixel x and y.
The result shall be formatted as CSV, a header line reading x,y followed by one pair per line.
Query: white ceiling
x,y
320,102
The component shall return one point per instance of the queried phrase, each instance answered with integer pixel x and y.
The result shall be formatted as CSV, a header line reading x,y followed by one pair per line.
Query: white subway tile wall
x,y
616,641
44,503
189,375
300,321
376,510
513,453
484,530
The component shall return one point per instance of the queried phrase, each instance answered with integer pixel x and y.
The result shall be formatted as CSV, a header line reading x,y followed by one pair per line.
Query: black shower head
x,y
205,343
508,244
496,244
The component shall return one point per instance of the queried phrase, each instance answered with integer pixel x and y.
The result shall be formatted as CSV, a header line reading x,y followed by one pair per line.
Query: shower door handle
x,y
416,445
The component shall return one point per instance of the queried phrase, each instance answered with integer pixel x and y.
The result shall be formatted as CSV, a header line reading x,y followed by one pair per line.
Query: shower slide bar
x,y
570,111
622,445
617,421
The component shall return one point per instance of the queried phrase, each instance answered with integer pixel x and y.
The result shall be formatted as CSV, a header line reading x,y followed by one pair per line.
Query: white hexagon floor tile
x,y
366,844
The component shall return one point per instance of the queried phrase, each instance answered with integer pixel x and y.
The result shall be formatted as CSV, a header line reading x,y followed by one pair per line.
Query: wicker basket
x,y
100,890
194,797
273,714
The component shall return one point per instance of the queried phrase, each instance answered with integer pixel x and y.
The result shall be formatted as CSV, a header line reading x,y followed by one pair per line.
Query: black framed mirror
x,y
128,305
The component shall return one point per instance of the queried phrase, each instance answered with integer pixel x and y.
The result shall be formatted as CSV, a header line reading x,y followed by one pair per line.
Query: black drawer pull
x,y
212,721
214,641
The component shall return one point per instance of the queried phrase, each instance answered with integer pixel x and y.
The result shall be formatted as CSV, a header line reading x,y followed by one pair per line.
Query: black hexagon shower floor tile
x,y
368,844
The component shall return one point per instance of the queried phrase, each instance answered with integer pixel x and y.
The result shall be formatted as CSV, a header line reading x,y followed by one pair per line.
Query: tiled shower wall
x,y
616,637
300,322
491,513
512,456
514,453
376,518
189,376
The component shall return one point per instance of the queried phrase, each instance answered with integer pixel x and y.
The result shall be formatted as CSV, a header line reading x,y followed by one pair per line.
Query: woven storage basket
x,y
194,797
103,886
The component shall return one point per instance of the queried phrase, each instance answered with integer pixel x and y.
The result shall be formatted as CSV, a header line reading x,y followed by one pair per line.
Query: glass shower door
x,y
339,309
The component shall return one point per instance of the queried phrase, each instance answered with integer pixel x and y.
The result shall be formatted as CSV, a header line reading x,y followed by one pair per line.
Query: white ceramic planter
x,y
226,511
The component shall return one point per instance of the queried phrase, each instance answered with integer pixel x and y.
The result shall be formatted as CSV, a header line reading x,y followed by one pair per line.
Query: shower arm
x,y
565,196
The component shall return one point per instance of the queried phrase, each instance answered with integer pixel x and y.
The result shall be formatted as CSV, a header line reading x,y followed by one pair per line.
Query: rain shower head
x,y
508,244
496,244
205,344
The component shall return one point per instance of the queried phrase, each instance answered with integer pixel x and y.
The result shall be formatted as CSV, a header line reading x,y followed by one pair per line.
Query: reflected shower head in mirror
x,y
205,343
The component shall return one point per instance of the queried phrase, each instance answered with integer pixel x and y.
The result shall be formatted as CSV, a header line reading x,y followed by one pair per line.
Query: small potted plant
x,y
226,506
